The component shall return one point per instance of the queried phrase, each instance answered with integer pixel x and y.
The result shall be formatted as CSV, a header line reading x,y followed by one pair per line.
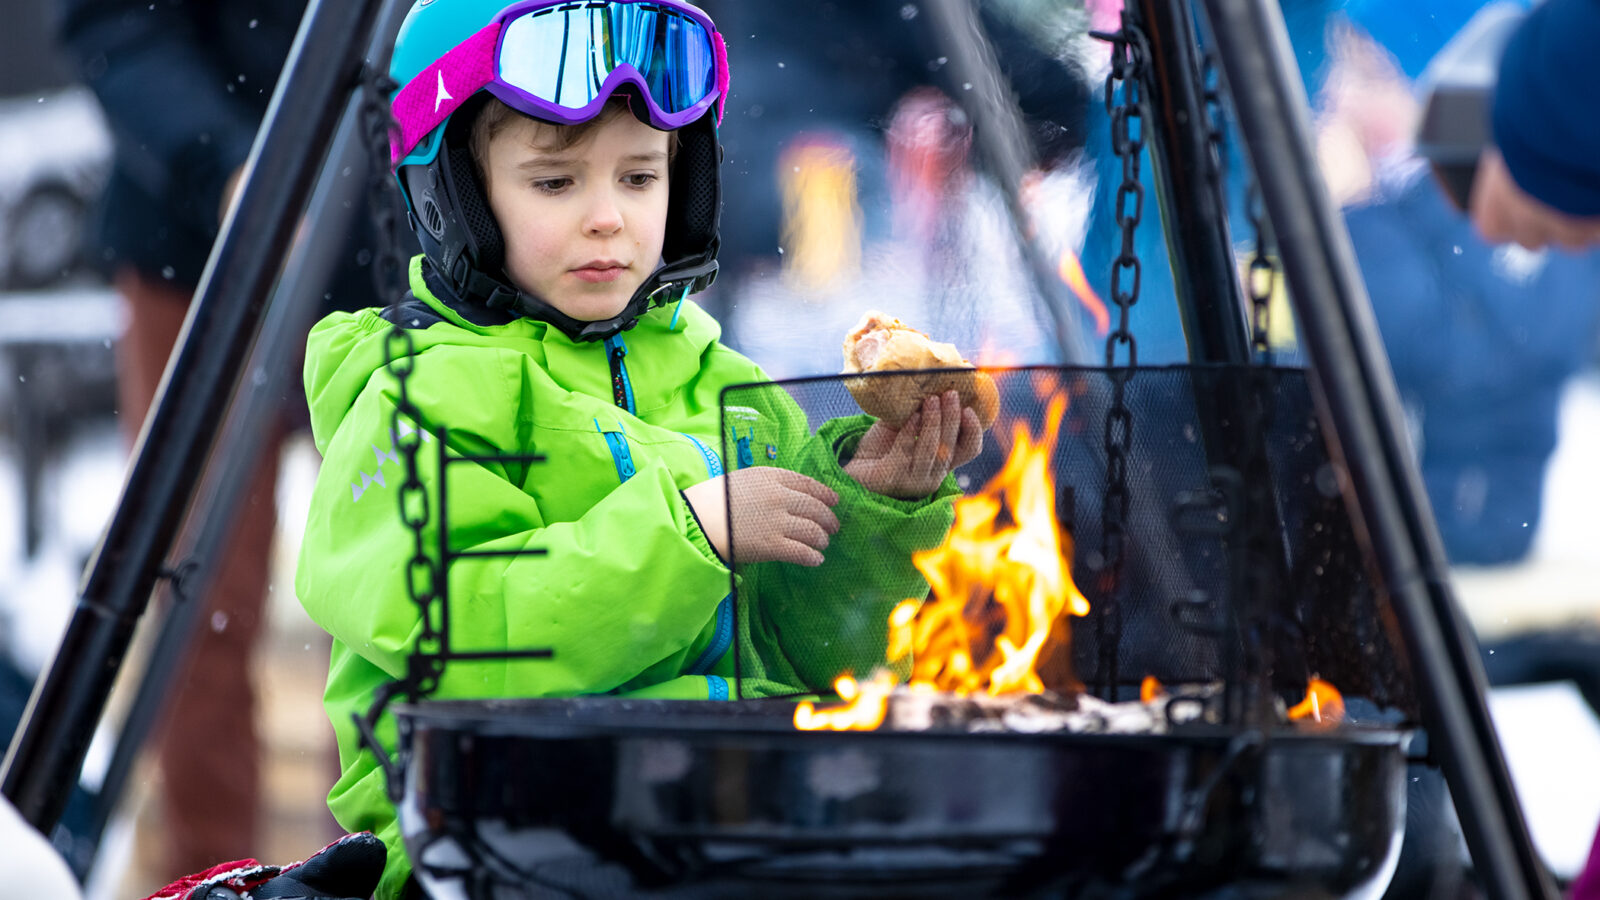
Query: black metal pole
x,y
1007,154
1189,188
1357,397
1188,174
47,753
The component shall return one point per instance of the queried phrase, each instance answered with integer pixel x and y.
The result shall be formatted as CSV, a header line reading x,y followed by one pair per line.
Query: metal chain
x,y
1261,278
405,424
1262,553
1129,53
1211,107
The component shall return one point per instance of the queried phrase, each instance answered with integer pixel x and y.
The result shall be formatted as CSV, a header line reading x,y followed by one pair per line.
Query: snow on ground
x,y
1551,741
37,599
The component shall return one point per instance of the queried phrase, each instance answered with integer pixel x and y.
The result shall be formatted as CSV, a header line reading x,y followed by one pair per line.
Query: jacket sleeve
x,y
1543,124
833,619
626,585
179,132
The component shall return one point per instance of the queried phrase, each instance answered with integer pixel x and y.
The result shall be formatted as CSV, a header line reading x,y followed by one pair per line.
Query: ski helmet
x,y
558,61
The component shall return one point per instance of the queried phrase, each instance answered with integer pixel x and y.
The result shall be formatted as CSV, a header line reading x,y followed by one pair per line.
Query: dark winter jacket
x,y
184,85
1544,122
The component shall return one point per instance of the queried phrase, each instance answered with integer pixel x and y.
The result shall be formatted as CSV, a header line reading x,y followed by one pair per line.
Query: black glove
x,y
347,869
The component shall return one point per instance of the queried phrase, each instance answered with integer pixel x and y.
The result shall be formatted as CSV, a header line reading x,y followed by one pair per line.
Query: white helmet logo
x,y
443,94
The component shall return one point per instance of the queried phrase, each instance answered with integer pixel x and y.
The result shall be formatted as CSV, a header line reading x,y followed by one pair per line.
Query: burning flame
x,y
1323,706
1071,272
865,707
992,571
1150,689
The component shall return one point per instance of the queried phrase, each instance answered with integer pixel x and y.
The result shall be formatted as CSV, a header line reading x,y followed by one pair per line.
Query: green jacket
x,y
630,596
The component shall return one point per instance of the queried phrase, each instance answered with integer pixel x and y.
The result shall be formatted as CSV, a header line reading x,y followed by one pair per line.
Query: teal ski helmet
x,y
557,61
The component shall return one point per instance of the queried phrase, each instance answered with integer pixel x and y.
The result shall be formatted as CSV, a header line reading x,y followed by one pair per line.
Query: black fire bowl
x,y
595,797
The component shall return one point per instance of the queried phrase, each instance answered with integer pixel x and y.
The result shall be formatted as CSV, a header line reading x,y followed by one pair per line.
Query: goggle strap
x,y
723,78
441,88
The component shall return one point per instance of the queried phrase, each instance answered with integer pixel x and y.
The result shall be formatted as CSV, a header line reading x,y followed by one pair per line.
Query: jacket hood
x,y
346,351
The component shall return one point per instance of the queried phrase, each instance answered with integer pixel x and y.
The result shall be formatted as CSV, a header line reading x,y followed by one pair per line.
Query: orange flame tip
x,y
867,705
1323,706
1071,272
1150,689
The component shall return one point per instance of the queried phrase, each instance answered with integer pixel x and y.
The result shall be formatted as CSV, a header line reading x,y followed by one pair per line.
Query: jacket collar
x,y
665,348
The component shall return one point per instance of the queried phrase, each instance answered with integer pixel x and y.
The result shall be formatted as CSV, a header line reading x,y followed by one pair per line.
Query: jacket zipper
x,y
617,442
621,387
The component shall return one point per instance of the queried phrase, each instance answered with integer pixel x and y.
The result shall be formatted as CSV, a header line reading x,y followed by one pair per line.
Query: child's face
x,y
583,226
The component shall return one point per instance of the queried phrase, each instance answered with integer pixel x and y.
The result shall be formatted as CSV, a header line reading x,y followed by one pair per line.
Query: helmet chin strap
x,y
665,282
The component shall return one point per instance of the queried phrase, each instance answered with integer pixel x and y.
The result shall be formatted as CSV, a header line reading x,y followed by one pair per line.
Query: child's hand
x,y
779,515
912,462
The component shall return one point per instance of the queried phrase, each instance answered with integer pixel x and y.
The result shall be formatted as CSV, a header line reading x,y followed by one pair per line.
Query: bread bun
x,y
881,343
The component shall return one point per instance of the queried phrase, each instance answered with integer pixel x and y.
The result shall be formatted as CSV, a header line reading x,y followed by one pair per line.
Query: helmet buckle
x,y
502,297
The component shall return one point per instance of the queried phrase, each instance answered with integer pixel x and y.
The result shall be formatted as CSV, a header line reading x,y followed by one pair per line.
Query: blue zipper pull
x,y
742,445
617,442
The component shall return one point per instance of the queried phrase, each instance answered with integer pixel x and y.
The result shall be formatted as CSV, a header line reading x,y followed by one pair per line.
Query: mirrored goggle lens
x,y
563,55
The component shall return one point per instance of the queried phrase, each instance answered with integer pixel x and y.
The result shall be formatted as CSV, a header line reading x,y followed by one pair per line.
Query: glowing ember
x,y
1323,706
995,571
1071,272
865,706
1150,689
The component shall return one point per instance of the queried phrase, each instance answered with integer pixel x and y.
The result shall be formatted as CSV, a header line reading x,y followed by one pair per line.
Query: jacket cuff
x,y
696,534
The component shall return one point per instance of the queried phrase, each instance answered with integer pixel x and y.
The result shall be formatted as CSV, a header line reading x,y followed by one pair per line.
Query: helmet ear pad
x,y
694,207
486,244
450,205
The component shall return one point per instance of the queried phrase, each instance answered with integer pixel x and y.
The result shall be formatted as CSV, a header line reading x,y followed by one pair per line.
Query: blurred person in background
x,y
1413,32
1498,353
1482,337
184,85
848,142
1540,184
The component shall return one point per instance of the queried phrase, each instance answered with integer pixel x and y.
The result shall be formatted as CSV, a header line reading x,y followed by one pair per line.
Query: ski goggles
x,y
561,60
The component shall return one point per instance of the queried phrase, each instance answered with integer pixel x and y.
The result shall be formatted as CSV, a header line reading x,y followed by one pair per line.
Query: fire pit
x,y
598,797
1206,757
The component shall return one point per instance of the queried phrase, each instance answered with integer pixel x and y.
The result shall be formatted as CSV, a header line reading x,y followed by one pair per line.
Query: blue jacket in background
x,y
1545,121
1481,340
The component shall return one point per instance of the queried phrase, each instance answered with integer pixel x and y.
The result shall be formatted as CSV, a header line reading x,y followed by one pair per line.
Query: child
x,y
561,166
